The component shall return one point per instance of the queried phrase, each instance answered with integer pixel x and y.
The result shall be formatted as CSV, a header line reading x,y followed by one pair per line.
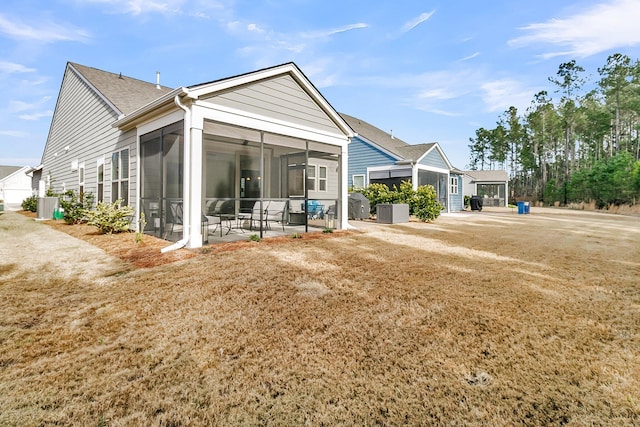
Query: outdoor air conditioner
x,y
392,213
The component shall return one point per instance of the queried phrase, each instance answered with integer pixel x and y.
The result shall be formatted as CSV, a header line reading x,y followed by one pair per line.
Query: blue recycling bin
x,y
523,208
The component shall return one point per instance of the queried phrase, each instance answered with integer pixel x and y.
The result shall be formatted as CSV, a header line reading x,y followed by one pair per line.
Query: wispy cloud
x,y
19,106
499,95
168,7
605,26
37,115
42,31
410,25
14,133
466,58
266,46
333,31
12,67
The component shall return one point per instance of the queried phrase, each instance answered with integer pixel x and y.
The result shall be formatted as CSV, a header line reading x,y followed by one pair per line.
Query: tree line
x,y
583,147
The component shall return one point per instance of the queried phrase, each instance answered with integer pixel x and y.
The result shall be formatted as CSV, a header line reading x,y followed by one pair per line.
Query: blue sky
x,y
424,70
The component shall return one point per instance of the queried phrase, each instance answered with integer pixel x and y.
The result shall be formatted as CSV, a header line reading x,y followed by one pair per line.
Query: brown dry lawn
x,y
490,318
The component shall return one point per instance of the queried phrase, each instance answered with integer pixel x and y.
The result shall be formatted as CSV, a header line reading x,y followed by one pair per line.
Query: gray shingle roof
x,y
126,93
414,152
394,145
5,171
375,135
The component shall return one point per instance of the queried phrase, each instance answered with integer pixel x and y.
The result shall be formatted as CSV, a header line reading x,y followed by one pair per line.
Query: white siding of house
x,y
280,98
15,187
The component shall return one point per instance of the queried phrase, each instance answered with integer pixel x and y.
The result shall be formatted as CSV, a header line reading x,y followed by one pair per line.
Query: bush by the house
x,y
423,202
110,217
30,204
426,206
75,206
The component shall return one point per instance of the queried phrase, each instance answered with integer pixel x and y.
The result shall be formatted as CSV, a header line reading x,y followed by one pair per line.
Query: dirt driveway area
x,y
488,318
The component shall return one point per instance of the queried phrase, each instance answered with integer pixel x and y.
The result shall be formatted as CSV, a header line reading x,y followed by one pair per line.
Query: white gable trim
x,y
271,125
436,146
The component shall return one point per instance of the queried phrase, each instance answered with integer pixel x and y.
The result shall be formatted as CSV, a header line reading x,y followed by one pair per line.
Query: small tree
x,y
110,217
75,206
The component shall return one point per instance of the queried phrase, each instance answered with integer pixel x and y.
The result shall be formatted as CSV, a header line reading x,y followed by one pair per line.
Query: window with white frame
x,y
100,179
358,181
453,184
322,178
311,178
120,176
81,180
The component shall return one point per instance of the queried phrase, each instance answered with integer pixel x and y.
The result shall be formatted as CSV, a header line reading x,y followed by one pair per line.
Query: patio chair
x,y
315,209
275,212
174,217
256,214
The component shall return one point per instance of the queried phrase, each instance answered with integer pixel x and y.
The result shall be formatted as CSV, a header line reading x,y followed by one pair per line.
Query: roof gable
x,y
6,171
124,94
280,92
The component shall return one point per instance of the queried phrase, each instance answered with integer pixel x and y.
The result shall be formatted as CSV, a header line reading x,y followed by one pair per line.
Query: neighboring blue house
x,y
378,157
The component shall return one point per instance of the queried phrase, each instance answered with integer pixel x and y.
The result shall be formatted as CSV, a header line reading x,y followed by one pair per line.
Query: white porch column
x,y
344,187
195,178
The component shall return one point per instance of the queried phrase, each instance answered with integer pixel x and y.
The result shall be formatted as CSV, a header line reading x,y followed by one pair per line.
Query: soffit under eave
x,y
148,116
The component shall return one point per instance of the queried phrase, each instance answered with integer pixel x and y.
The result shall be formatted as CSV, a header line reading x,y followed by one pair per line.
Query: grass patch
x,y
417,324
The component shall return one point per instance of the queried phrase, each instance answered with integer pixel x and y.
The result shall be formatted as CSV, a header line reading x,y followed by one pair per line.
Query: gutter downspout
x,y
186,210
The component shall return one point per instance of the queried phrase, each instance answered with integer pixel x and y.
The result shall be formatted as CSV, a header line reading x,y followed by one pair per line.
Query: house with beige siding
x,y
376,156
267,136
491,185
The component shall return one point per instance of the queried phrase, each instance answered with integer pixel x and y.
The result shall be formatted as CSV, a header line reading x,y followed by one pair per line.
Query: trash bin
x,y
330,217
523,207
476,203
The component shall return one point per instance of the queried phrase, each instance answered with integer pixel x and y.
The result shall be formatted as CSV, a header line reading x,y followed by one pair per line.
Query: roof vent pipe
x,y
157,79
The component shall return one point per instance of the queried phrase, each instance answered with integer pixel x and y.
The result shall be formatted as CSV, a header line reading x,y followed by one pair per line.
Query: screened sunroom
x,y
261,152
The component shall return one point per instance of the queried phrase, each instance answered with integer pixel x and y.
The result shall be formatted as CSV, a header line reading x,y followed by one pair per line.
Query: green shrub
x,y
110,217
254,238
423,202
427,207
30,204
377,193
75,206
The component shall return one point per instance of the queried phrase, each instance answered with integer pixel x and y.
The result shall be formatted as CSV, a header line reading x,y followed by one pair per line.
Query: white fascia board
x,y
433,169
159,122
254,121
129,121
222,85
385,168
